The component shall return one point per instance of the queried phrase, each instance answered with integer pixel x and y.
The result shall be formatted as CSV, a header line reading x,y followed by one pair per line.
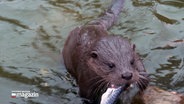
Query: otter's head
x,y
115,61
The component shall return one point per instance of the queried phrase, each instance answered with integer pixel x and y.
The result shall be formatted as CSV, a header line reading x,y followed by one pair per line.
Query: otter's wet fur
x,y
97,60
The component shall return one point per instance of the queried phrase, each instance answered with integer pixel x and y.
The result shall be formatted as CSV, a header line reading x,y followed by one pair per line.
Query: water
x,y
32,34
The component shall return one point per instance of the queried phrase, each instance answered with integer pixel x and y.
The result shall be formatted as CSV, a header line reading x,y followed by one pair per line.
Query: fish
x,y
111,95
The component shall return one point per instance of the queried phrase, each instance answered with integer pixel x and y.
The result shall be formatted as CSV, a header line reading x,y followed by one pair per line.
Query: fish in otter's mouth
x,y
112,93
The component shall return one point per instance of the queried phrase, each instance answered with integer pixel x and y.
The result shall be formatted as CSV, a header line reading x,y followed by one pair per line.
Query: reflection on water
x,y
175,3
80,9
164,19
14,21
32,34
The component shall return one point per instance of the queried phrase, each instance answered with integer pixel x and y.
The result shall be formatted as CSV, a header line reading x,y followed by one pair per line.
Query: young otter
x,y
98,60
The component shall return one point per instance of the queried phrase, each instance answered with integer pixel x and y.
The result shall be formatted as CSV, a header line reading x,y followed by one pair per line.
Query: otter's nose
x,y
127,75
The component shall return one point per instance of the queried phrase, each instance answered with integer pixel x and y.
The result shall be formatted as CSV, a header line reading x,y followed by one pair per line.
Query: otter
x,y
98,60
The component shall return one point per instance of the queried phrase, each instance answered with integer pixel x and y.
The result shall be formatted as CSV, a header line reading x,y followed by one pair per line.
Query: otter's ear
x,y
133,46
94,54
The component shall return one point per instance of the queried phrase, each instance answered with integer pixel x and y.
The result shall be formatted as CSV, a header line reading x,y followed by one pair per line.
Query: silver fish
x,y
111,95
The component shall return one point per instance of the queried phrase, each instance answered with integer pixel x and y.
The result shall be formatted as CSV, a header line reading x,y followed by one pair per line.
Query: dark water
x,y
32,33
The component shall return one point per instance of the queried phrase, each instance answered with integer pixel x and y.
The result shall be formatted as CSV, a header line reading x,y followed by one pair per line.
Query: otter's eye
x,y
94,54
111,65
132,62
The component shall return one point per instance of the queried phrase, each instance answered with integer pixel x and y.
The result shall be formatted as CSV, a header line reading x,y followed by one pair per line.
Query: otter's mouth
x,y
124,86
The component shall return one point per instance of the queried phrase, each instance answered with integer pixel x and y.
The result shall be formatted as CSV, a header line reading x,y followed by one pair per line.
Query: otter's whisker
x,y
96,86
99,89
93,85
